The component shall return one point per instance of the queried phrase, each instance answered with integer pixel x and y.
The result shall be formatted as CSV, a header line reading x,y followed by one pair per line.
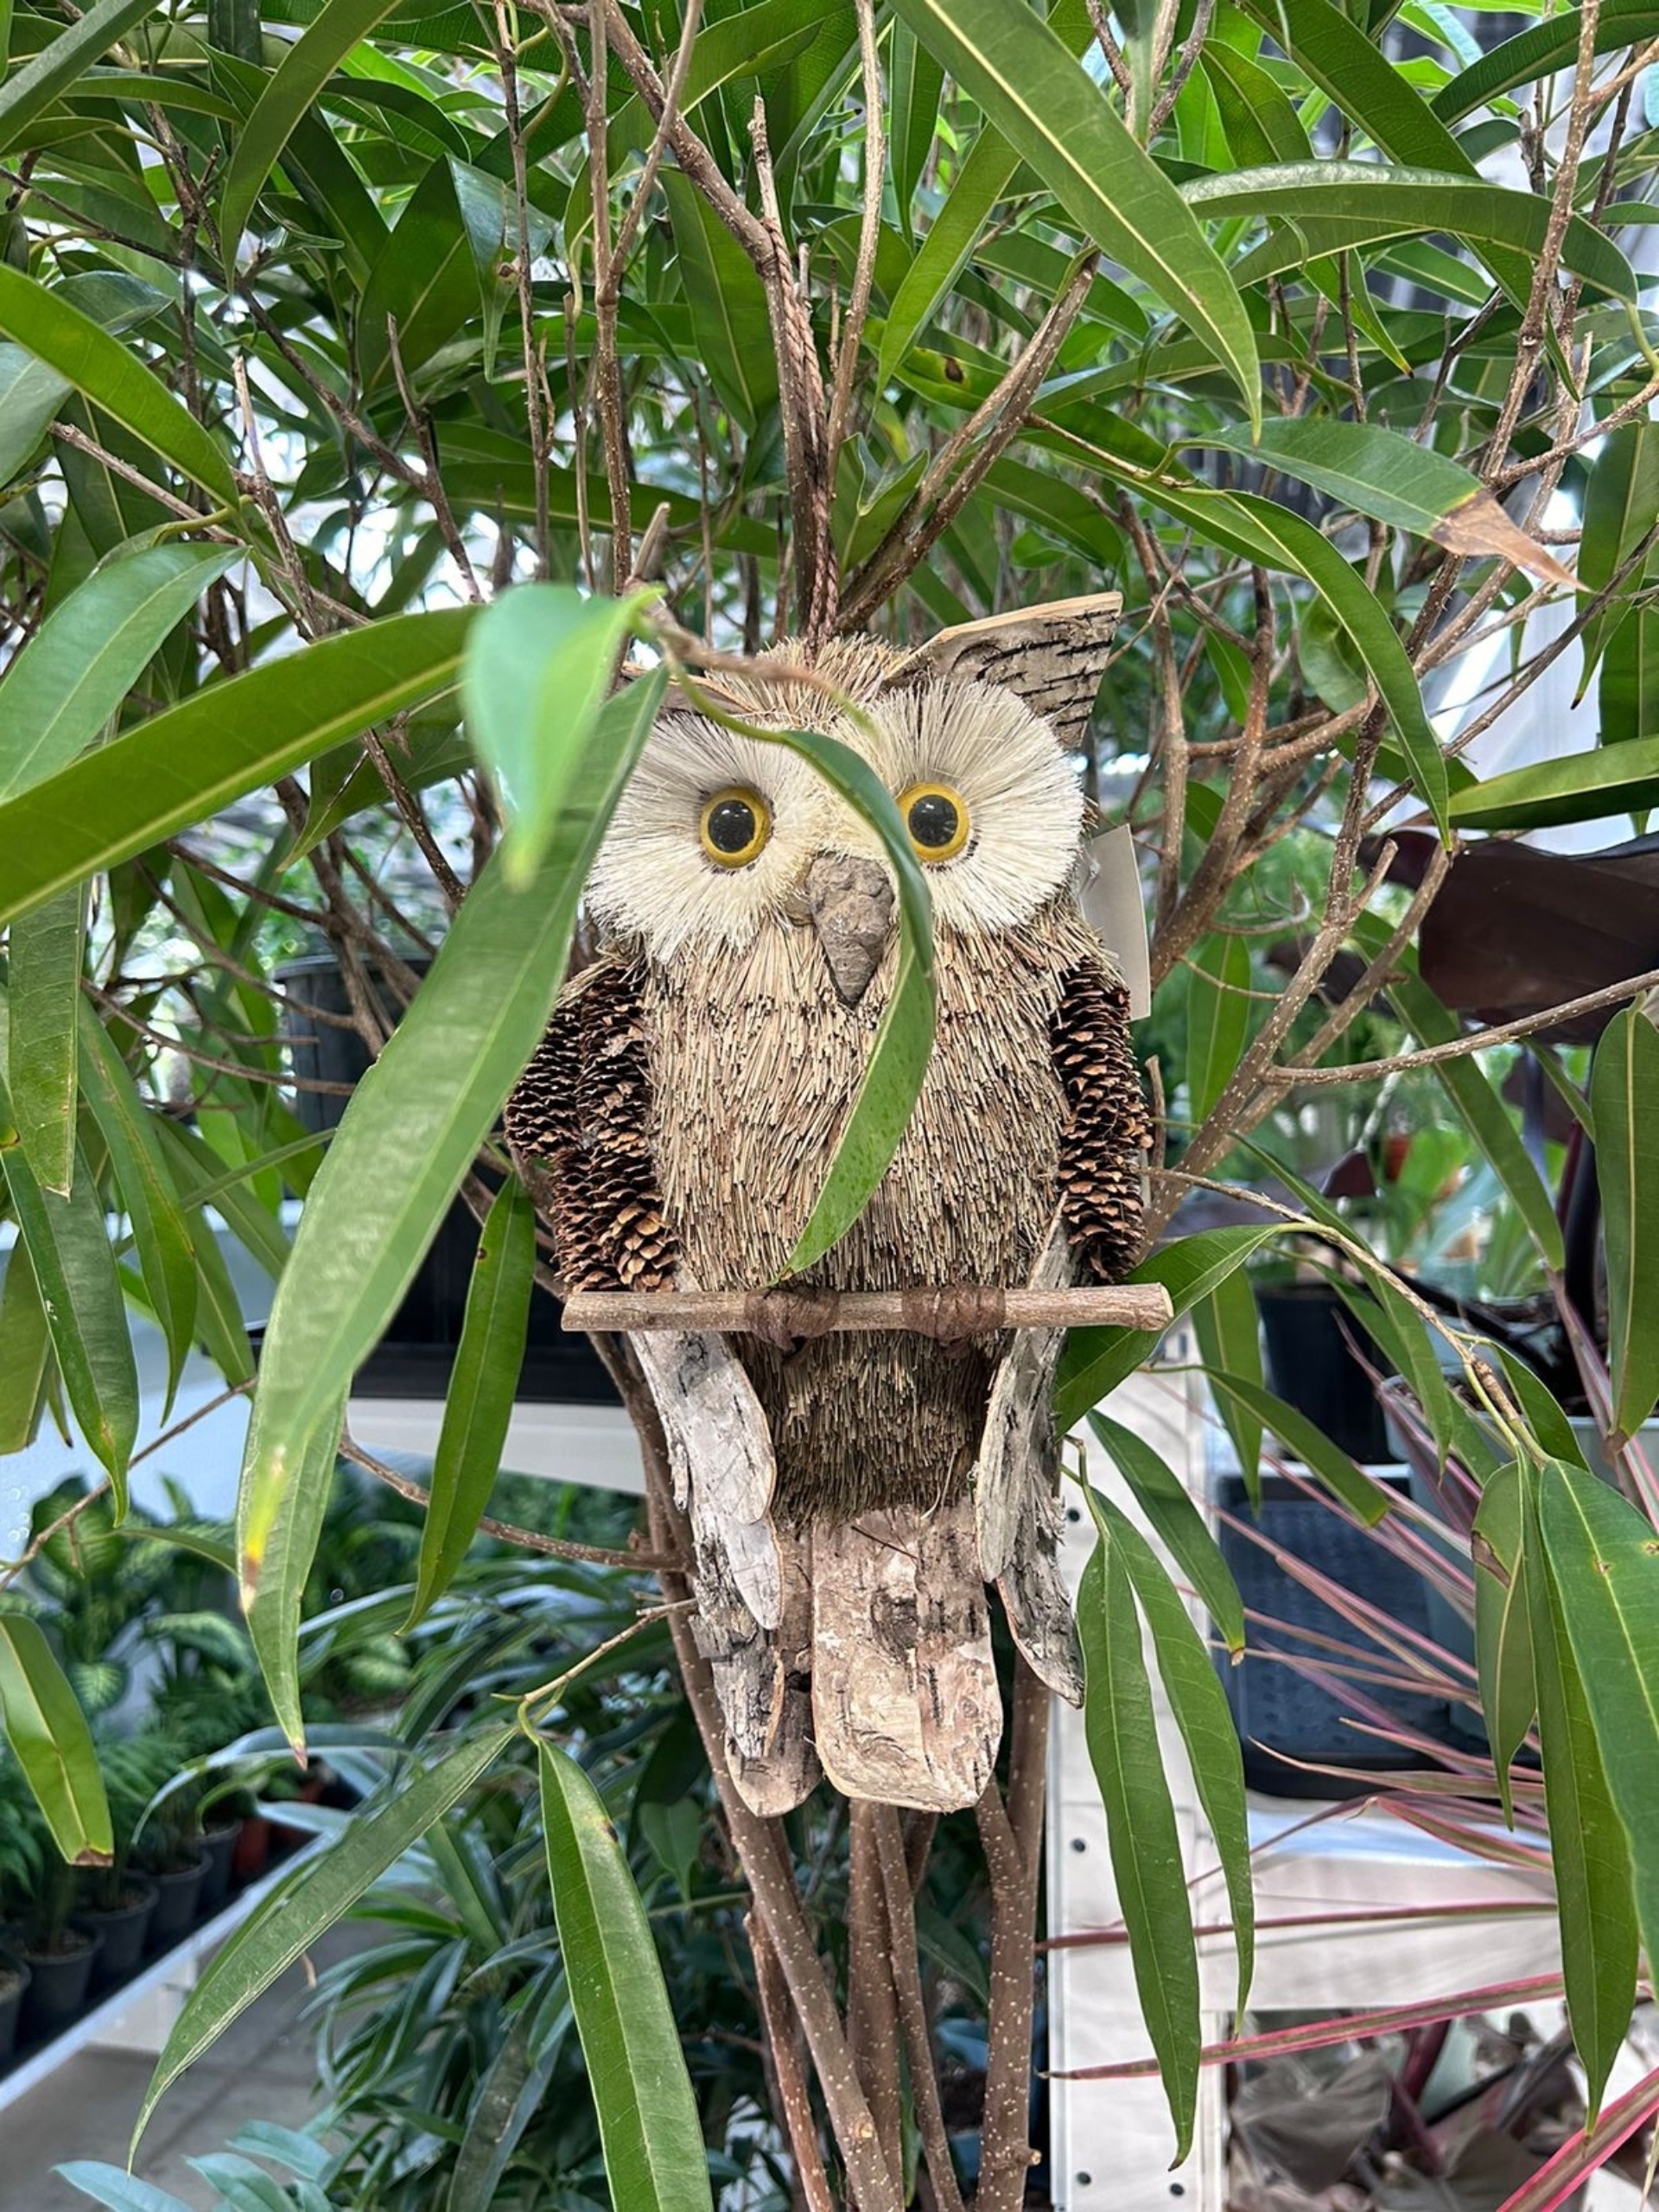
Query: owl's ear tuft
x,y
1052,657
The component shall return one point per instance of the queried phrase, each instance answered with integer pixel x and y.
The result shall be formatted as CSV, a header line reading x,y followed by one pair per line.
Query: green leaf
x,y
306,68
1052,114
51,1744
30,394
1169,1505
1589,1854
1348,203
25,1351
1122,1733
1540,51
74,1268
69,681
1622,1094
1383,474
1503,1625
1574,787
161,1236
1095,1361
1204,1719
113,378
1229,1329
307,1902
417,1118
181,766
654,2156
1604,1557
483,1385
424,280
904,1036
1308,1442
278,1527
46,949
917,81
108,2185
1484,1114
1621,506
539,663
32,89
1218,1019
727,304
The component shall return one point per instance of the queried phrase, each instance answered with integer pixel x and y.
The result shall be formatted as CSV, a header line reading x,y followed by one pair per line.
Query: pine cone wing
x,y
579,1126
1107,1128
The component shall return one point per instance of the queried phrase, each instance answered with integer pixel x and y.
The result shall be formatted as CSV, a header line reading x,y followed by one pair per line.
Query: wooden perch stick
x,y
783,1316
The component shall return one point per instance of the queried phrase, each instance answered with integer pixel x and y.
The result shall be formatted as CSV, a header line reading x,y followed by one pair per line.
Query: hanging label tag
x,y
1113,907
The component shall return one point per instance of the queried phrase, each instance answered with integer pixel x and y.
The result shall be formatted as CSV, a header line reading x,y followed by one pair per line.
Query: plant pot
x,y
58,1984
14,1990
414,1358
251,1855
1311,1367
220,1846
122,1929
176,1896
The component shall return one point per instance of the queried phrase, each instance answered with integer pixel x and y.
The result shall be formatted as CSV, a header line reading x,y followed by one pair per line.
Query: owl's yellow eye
x,y
937,818
734,827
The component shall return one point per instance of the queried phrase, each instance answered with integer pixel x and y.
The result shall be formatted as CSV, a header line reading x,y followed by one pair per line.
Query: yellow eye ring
x,y
734,827
937,820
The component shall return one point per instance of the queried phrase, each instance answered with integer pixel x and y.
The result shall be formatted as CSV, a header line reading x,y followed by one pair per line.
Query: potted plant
x,y
20,1875
168,1844
117,1901
60,1952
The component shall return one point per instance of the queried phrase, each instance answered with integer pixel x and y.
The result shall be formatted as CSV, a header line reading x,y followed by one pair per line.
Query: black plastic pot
x,y
58,1984
14,1990
414,1358
122,1929
220,1845
1308,1333
176,1898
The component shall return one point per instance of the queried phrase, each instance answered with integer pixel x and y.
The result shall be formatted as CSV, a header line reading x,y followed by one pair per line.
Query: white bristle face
x,y
653,881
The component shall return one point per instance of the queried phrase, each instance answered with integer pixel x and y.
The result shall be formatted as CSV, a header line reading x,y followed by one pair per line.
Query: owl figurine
x,y
851,1497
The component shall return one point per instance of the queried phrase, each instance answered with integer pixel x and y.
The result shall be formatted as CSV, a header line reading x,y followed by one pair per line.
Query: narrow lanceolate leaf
x,y
1573,787
33,88
1484,1114
25,1352
1308,1442
1218,1020
1204,1719
161,1236
1229,1328
1095,1361
70,679
279,1528
307,68
1059,121
727,303
1605,1558
1621,1094
74,1267
482,1387
1542,49
904,1036
111,376
30,395
44,982
1590,1853
120,2192
1621,506
1503,1625
307,1903
1168,1504
181,766
1122,1733
1385,474
419,1115
539,663
51,1744
654,2156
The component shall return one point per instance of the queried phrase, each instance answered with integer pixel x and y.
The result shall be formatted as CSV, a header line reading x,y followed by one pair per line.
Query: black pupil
x,y
731,825
933,820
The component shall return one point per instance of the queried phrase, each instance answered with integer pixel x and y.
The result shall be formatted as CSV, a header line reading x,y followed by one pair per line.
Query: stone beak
x,y
850,905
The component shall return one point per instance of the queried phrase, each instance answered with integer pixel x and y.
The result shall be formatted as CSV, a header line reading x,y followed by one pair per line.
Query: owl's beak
x,y
849,904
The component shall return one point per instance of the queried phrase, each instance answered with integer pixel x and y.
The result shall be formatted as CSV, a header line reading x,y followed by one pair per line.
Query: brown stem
x,y
899,1894
783,2053
1006,2156
872,2002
